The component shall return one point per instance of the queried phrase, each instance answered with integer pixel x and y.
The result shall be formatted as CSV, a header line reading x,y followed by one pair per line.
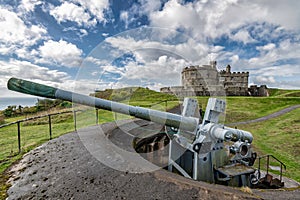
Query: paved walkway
x,y
273,115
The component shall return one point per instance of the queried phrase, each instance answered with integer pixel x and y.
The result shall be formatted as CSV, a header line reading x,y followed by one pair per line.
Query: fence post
x,y
19,136
97,116
50,129
75,124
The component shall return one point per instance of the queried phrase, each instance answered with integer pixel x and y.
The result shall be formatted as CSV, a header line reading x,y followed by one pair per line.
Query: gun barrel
x,y
240,134
165,118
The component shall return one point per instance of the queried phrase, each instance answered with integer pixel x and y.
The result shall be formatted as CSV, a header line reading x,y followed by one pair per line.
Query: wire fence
x,y
19,137
15,138
25,134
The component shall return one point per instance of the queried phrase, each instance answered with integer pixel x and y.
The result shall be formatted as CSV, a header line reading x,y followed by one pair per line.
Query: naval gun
x,y
197,149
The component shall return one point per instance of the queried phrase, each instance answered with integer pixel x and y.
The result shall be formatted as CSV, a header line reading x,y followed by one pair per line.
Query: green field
x,y
279,136
283,93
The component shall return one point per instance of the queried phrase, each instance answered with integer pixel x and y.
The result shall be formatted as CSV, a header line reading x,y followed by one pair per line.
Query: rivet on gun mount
x,y
197,149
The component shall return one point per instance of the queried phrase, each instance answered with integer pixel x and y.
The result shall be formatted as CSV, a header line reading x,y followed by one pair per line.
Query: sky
x,y
83,45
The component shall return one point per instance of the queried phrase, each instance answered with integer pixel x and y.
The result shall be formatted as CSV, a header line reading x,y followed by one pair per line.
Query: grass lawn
x,y
247,108
280,137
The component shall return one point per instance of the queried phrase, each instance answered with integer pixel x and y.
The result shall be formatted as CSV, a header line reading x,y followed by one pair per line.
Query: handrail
x,y
268,159
18,122
37,117
274,158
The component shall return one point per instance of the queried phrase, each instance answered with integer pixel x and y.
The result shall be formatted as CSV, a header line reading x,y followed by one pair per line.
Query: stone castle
x,y
206,80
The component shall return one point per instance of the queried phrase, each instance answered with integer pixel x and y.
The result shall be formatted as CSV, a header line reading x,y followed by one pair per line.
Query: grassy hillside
x,y
283,93
247,108
279,136
133,94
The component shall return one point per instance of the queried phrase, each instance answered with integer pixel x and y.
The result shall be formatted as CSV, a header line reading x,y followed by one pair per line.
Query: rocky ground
x,y
67,168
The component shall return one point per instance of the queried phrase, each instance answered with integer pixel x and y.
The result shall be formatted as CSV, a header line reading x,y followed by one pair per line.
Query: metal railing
x,y
268,164
38,117
9,145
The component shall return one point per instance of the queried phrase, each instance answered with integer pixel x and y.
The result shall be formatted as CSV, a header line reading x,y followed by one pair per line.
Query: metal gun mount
x,y
197,150
205,157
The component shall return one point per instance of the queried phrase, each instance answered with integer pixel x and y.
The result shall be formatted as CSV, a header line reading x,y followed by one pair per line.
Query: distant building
x,y
206,80
261,91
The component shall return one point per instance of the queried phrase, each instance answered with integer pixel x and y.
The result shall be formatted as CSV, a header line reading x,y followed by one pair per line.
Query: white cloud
x,y
174,15
265,80
61,52
16,36
71,12
151,63
234,58
15,33
190,50
83,12
124,17
29,71
78,31
28,5
148,6
294,84
83,33
163,71
138,9
267,47
212,19
216,48
96,8
284,13
279,71
242,36
286,50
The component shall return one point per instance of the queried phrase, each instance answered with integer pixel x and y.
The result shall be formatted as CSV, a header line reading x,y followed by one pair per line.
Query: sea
x,y
23,101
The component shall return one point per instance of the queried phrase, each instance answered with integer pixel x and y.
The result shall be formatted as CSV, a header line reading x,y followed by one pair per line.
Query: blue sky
x,y
95,44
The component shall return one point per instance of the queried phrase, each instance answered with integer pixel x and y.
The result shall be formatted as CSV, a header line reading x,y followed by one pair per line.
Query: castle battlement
x,y
206,80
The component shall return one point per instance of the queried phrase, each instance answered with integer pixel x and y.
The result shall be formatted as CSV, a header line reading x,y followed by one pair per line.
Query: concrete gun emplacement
x,y
197,149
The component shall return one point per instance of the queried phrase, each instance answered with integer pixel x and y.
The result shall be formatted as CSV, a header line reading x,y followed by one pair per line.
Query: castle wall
x,y
235,83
